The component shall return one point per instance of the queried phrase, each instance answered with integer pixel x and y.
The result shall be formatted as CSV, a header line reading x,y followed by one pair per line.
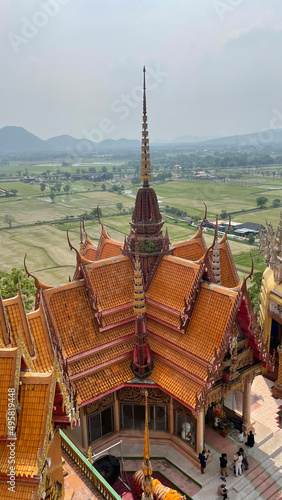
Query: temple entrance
x,y
133,417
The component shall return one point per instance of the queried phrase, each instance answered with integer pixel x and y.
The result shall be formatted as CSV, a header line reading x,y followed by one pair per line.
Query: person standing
x,y
238,463
203,457
222,491
244,458
223,466
251,439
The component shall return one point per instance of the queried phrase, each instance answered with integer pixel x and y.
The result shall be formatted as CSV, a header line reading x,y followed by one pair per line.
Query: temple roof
x,y
24,491
192,249
7,370
112,281
172,282
33,415
104,380
175,383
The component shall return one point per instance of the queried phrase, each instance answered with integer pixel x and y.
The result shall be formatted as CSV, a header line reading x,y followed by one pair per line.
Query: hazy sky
x,y
75,66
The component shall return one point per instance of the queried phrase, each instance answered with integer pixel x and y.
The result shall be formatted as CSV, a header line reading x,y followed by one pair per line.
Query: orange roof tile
x,y
16,316
107,247
178,358
31,428
22,491
110,249
228,273
172,282
112,280
88,250
163,314
44,361
116,316
74,320
73,317
190,250
175,383
208,322
7,370
104,380
89,254
100,357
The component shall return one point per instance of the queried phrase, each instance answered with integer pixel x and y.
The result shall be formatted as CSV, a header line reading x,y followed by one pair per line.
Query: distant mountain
x,y
263,137
61,143
17,140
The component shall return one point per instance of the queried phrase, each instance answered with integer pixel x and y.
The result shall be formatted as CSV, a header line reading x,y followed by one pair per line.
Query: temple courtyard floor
x,y
263,480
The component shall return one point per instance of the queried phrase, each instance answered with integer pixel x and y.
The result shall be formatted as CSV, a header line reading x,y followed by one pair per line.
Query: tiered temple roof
x,y
164,314
33,381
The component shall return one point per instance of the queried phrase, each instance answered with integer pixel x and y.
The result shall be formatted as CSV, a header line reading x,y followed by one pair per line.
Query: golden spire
x,y
147,485
139,307
145,171
146,452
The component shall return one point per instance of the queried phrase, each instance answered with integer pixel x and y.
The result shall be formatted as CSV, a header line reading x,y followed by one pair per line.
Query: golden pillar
x,y
200,432
116,414
277,388
84,427
171,416
247,426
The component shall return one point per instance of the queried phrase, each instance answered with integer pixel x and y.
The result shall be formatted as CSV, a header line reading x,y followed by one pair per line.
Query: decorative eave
x,y
78,275
38,284
68,404
191,299
5,327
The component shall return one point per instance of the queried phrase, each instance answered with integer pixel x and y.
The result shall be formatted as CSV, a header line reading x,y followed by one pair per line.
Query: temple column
x,y
116,414
200,432
277,388
171,416
247,426
84,427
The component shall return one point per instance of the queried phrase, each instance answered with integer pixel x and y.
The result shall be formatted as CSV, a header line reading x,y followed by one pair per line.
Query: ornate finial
x,y
90,454
147,485
144,92
139,307
146,451
215,255
145,171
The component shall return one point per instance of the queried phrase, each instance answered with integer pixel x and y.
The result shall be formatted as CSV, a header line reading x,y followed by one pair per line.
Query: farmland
x,y
38,225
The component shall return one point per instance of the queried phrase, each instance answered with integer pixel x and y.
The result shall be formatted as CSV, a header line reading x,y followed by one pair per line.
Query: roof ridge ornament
x,y
199,231
224,237
215,254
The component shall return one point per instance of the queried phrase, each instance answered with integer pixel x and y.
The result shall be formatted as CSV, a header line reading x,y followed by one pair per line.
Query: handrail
x,y
87,468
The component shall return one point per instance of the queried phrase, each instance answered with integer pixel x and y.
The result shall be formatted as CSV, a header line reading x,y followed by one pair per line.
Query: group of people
x,y
240,459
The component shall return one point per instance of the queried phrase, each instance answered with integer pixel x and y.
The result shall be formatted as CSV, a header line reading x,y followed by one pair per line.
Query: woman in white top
x,y
238,463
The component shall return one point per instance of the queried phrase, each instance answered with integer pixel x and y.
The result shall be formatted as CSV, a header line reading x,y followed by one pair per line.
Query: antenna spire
x,y
145,171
